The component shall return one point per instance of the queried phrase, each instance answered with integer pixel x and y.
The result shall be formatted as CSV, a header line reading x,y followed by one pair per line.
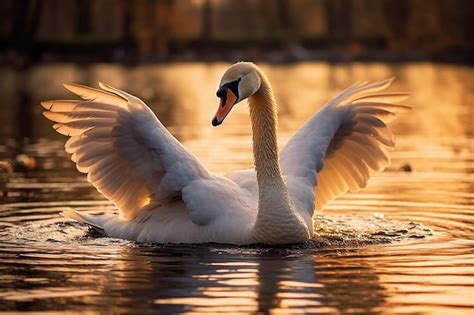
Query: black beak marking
x,y
221,92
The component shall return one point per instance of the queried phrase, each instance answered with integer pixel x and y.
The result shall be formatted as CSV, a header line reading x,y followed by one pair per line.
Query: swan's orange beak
x,y
228,100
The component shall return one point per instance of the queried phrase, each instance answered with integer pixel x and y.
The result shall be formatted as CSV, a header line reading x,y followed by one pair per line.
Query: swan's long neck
x,y
277,221
265,148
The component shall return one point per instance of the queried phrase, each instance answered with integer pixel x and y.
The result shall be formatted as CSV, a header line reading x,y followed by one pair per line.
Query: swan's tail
x,y
92,220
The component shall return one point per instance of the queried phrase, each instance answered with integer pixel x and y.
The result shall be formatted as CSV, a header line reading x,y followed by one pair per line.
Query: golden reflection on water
x,y
316,285
435,139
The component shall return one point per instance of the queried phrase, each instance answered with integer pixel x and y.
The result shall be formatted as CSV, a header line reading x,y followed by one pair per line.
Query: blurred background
x,y
172,54
133,32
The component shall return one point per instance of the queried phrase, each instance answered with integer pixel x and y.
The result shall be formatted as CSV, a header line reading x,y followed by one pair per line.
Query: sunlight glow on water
x,y
402,245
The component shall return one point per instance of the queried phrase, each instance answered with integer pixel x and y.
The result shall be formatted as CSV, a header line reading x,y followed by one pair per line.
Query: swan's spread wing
x,y
342,145
127,153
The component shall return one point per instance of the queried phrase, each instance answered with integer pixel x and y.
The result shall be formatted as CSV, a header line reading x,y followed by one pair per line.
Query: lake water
x,y
402,245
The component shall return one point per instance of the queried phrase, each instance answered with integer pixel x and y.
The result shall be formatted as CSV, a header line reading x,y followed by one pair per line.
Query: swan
x,y
164,194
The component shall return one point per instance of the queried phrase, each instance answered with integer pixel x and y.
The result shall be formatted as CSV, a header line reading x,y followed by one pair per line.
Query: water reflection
x,y
197,279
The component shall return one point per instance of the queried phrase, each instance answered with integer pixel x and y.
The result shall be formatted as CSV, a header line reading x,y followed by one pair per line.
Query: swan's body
x,y
164,194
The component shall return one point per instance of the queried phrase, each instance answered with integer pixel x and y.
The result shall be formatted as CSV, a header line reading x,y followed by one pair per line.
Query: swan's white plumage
x,y
342,145
126,152
164,194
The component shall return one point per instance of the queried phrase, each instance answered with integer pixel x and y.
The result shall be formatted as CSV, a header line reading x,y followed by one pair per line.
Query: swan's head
x,y
239,82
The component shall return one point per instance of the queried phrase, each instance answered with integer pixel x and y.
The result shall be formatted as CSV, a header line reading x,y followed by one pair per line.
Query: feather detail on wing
x,y
345,142
127,154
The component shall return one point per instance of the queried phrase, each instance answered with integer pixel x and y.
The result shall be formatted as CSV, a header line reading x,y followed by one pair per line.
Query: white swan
x,y
164,194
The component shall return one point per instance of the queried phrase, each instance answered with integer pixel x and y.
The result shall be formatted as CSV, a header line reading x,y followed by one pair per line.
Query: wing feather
x,y
123,148
344,143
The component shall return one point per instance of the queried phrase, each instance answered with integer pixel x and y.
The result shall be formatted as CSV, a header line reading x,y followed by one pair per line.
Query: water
x,y
402,245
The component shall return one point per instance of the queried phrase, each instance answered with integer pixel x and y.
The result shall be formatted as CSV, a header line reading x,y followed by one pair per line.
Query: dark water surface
x,y
402,245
